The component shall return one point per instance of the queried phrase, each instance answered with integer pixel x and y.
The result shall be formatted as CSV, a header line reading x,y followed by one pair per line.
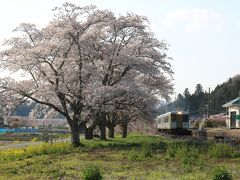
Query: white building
x,y
233,113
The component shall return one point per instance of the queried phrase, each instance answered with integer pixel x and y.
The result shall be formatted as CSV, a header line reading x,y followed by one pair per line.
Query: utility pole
x,y
209,101
177,104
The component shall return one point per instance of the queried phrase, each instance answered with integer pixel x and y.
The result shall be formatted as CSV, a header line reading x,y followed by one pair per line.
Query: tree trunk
x,y
89,133
75,134
111,131
111,123
124,130
102,128
101,119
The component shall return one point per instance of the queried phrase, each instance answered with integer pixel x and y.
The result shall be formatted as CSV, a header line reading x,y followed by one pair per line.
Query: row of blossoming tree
x,y
90,66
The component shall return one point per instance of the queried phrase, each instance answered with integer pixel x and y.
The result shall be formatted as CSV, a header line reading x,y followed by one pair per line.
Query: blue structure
x,y
17,130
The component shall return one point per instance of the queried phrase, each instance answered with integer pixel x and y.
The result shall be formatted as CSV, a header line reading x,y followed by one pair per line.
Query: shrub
x,y
221,173
92,172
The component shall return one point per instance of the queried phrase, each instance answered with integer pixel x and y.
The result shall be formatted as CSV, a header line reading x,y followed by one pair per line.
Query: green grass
x,y
161,158
18,137
133,140
29,136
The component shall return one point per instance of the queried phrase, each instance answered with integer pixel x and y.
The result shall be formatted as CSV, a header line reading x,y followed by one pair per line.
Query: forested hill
x,y
197,102
225,92
23,109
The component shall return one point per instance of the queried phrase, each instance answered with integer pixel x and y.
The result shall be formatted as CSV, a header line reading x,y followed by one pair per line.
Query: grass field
x,y
137,157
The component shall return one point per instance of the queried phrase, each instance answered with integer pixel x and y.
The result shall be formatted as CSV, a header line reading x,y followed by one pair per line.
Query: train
x,y
174,122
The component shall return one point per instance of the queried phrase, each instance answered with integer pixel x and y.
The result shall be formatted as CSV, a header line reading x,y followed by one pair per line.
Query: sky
x,y
203,35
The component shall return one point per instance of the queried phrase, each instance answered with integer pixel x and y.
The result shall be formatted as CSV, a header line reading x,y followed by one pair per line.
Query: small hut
x,y
233,113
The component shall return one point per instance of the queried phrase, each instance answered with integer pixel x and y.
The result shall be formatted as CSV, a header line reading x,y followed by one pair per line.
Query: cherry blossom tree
x,y
131,53
83,61
137,104
1,117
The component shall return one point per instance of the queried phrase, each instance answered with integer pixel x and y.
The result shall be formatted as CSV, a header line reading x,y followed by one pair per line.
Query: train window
x,y
173,117
185,118
179,117
166,120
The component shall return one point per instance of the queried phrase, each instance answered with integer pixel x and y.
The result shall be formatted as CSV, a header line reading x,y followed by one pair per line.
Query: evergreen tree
x,y
187,96
180,102
198,90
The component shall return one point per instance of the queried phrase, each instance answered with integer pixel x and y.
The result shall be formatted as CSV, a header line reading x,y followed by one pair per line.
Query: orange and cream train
x,y
173,122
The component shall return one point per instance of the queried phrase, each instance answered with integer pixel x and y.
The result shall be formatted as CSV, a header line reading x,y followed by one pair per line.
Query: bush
x,y
92,172
221,173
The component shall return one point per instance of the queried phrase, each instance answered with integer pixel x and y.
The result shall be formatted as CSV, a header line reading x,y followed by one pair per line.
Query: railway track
x,y
233,141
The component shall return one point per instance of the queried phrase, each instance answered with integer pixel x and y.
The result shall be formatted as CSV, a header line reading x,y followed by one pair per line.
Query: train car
x,y
176,122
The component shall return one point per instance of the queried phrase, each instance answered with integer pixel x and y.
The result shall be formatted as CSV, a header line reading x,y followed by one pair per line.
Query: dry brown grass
x,y
234,133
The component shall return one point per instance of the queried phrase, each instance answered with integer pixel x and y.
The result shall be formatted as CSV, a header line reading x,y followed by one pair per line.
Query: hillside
x,y
225,92
197,102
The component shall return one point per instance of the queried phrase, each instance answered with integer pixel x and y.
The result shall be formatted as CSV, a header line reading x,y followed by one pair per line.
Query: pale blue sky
x,y
203,34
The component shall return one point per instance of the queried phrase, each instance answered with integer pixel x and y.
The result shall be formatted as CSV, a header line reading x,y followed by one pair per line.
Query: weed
x,y
13,171
126,166
145,152
187,154
30,151
170,151
92,172
134,155
189,158
221,173
57,173
221,151
34,139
